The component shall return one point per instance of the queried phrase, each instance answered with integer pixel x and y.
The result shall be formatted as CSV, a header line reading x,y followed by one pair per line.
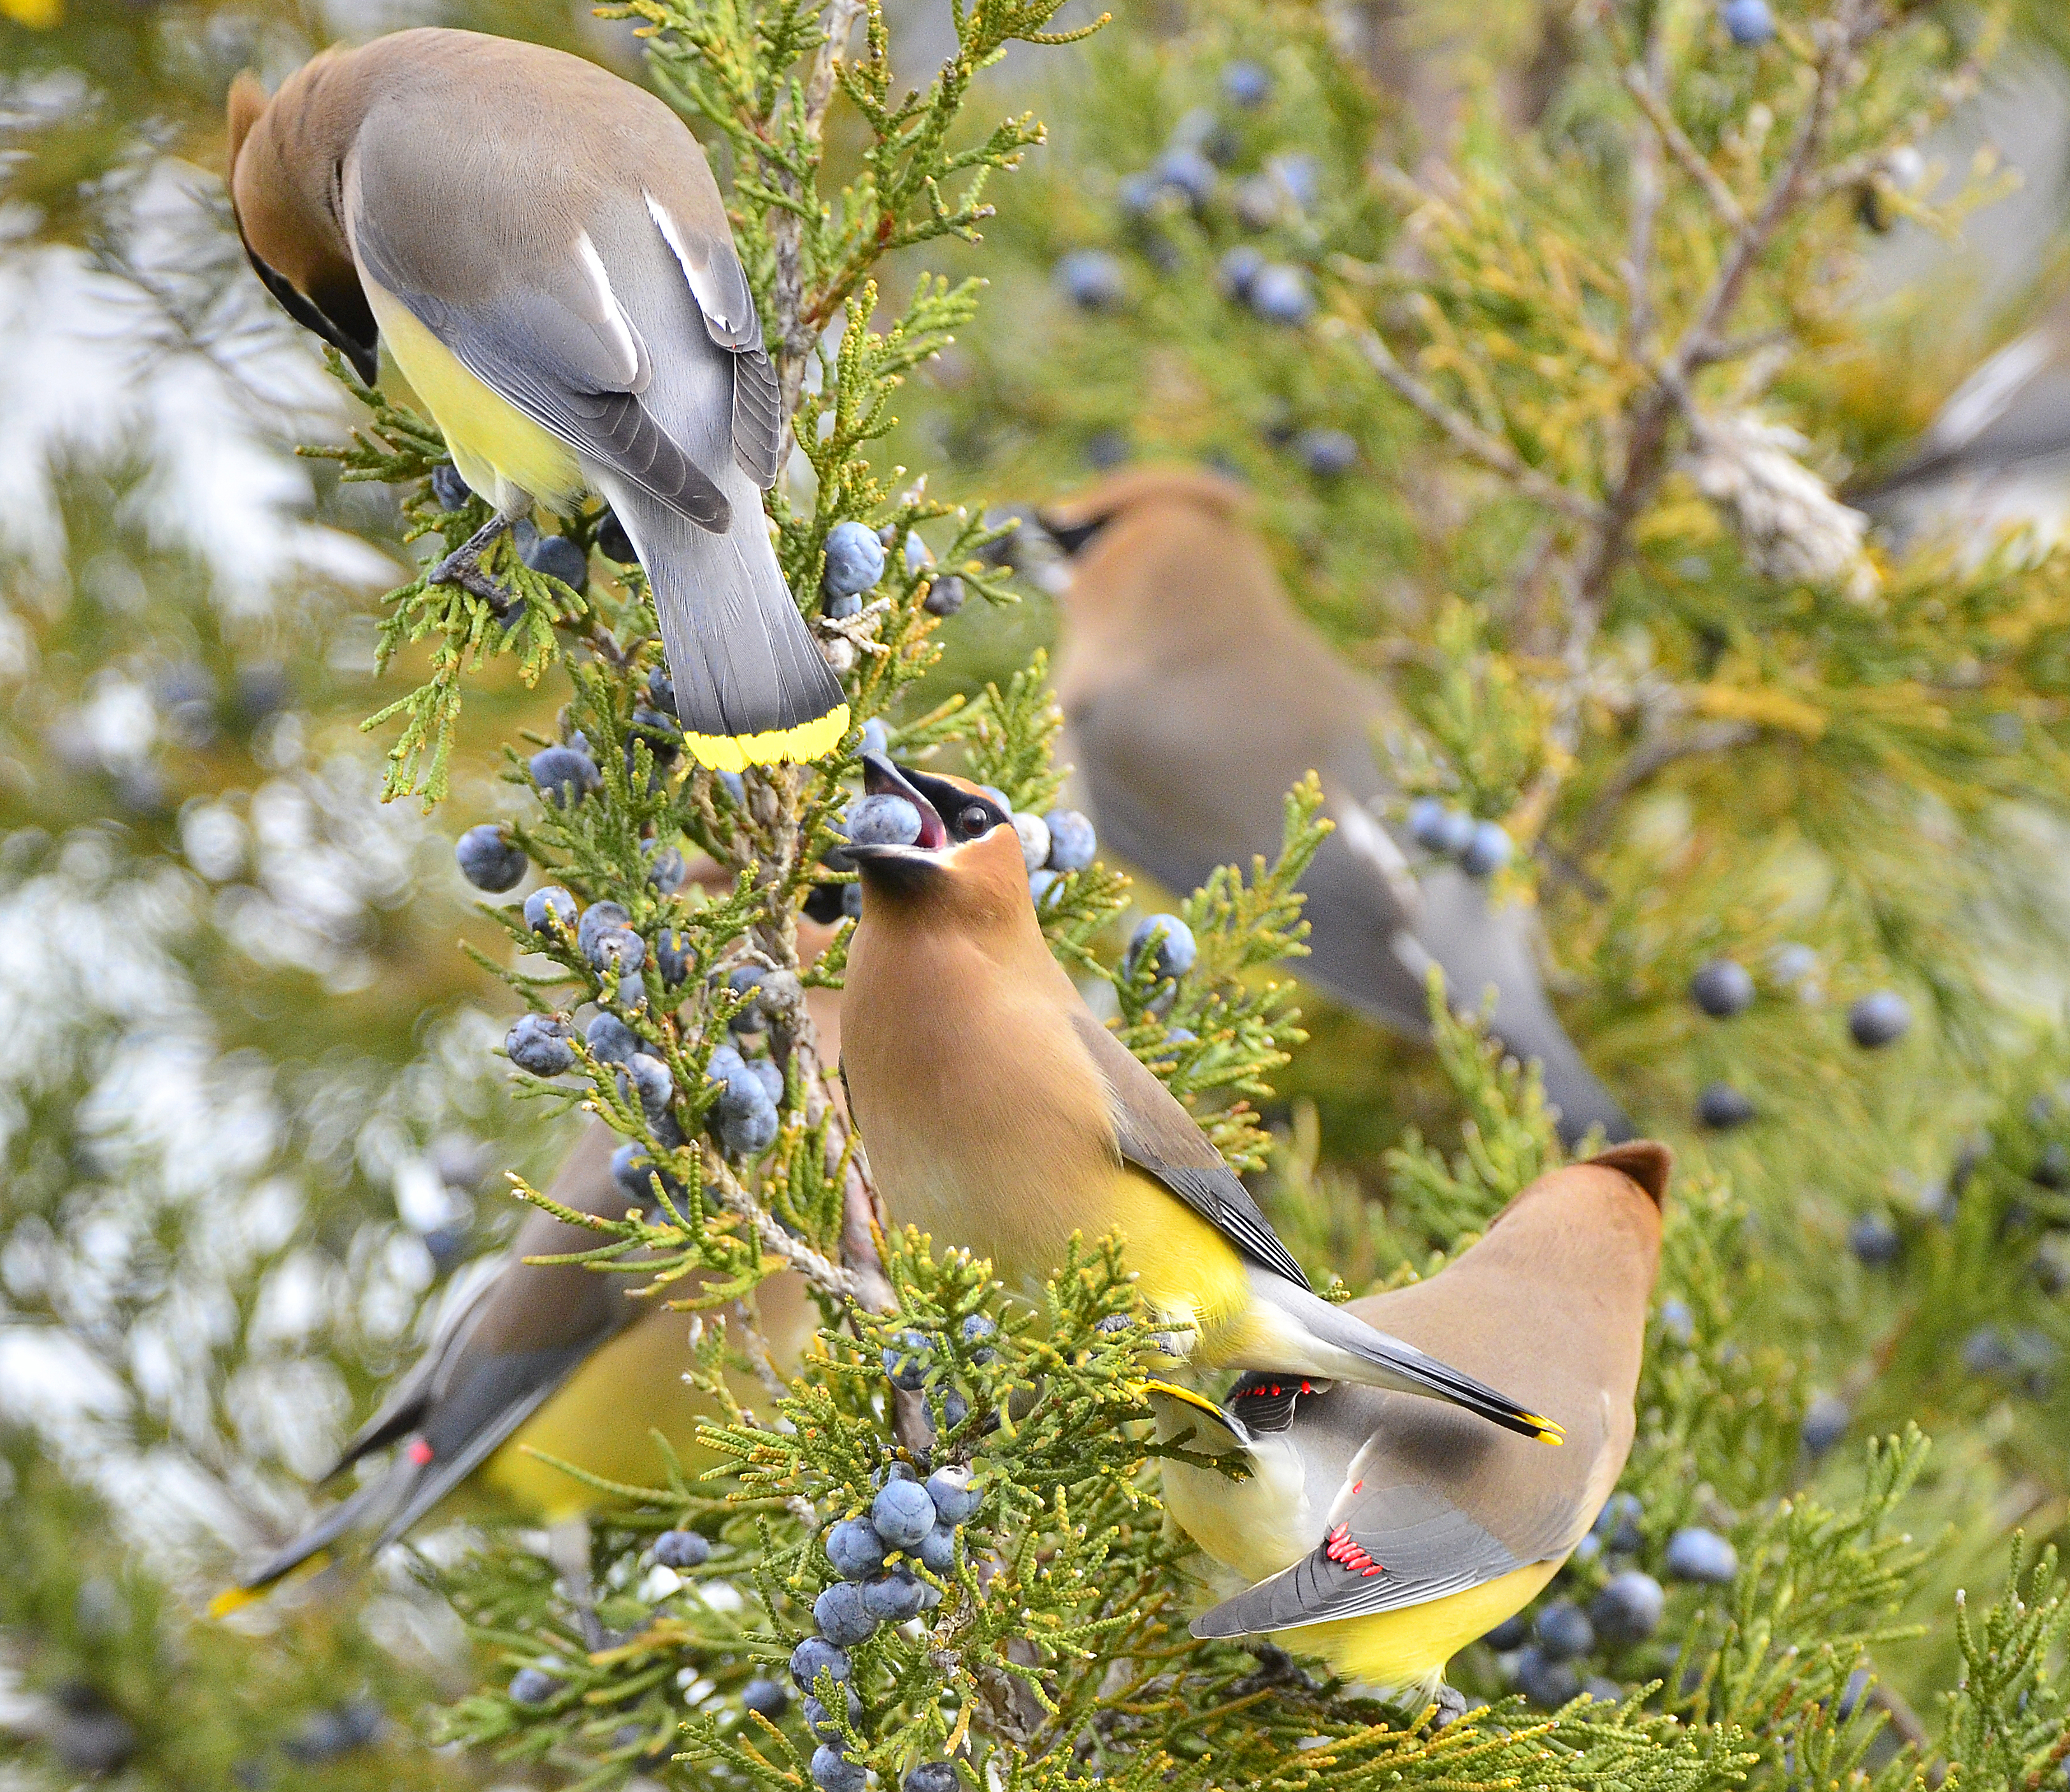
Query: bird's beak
x,y
882,778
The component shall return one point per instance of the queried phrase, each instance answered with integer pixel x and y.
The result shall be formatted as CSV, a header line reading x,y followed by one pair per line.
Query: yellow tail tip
x,y
809,740
1549,1431
236,1598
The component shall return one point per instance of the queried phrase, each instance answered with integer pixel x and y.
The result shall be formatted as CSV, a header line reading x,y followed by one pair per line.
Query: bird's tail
x,y
1302,1332
1584,1105
751,686
361,1510
1479,946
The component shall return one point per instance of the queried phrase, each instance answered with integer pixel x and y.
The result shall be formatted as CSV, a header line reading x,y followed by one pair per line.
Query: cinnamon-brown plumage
x,y
1000,1115
1384,1533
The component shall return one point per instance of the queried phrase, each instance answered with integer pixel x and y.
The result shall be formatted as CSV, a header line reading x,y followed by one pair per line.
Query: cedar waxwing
x,y
542,248
1001,1115
1394,1532
1195,698
557,1357
1996,459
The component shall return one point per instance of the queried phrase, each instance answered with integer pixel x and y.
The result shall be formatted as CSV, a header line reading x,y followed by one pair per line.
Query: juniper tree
x,y
1546,416
1050,1640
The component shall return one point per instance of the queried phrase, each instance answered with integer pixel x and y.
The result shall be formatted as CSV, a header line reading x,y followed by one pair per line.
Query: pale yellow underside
x,y
1190,1275
1411,1646
602,1418
1253,1527
600,1421
508,458
500,452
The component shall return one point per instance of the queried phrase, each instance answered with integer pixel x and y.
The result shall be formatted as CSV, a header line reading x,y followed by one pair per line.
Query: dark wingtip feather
x,y
758,421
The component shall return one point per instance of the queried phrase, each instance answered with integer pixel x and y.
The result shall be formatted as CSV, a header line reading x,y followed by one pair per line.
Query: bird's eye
x,y
973,821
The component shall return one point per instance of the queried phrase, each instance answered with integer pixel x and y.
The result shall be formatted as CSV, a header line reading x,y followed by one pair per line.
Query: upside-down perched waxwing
x,y
1385,1534
542,248
552,1357
1001,1116
1195,698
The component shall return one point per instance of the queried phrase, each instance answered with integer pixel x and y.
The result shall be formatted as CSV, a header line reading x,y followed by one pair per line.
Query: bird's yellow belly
x,y
500,452
601,1420
1411,1646
1190,1277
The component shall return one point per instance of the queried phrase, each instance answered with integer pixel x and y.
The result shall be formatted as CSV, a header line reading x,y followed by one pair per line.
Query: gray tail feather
x,y
742,659
1477,946
356,1512
1584,1103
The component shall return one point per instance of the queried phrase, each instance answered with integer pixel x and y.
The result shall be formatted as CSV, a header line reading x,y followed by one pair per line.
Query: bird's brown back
x,y
1550,1306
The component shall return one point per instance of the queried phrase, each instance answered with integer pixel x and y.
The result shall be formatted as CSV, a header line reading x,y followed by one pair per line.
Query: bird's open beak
x,y
882,778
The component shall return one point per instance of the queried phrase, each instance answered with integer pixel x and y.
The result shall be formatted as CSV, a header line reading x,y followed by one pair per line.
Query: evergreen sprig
x,y
1217,1034
1555,348
2008,1724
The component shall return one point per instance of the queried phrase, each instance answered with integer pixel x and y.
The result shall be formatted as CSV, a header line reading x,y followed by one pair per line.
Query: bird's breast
x,y
1254,1527
987,1127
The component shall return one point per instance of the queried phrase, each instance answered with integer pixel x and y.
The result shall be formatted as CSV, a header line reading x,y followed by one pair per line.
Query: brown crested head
x,y
1163,564
286,176
964,867
1077,522
1580,1209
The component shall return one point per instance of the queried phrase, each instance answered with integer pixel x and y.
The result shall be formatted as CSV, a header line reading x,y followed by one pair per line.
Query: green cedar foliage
x,y
1758,727
1601,445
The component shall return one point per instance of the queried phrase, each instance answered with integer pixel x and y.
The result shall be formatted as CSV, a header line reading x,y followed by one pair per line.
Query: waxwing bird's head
x,y
965,854
1157,567
286,175
1597,1220
1097,521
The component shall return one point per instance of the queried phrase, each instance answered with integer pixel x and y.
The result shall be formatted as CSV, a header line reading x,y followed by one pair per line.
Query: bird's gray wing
x,y
1158,808
489,1399
530,304
1417,1557
1153,1132
684,203
1411,1522
404,1409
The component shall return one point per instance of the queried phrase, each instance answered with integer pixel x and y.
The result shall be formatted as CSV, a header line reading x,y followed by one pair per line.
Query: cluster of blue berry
x,y
1544,1653
1723,987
